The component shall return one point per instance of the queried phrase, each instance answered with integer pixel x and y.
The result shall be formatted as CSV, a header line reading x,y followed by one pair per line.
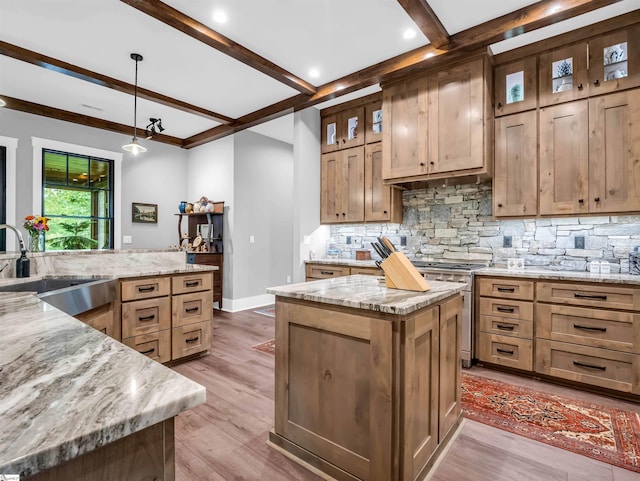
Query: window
x,y
77,195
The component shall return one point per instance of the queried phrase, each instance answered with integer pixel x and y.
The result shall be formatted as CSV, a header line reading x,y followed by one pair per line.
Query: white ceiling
x,y
337,37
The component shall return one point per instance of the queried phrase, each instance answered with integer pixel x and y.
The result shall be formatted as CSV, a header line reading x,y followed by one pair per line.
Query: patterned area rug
x,y
599,432
269,347
267,311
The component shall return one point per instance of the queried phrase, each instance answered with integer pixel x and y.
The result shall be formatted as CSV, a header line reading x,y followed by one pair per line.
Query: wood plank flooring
x,y
225,439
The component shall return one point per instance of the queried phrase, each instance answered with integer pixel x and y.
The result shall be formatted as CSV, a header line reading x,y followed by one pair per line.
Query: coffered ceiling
x,y
70,59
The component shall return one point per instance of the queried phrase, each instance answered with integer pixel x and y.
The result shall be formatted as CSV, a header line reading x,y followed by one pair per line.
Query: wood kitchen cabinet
x,y
516,86
103,319
373,122
515,181
382,203
589,155
343,130
563,74
436,124
342,186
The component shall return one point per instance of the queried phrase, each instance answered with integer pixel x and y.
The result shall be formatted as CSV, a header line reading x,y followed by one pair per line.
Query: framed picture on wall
x,y
145,213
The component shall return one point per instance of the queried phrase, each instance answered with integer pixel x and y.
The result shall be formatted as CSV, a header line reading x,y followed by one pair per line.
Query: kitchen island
x,y
367,378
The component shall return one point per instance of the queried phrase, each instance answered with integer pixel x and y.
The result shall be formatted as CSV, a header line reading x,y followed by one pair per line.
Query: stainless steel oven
x,y
456,271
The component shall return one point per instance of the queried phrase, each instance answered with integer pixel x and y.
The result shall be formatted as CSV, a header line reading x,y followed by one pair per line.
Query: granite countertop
x,y
367,292
549,274
67,389
343,262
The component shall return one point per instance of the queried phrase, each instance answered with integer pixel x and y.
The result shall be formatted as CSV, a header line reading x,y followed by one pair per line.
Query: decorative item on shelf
x,y
515,94
182,207
564,86
188,208
564,69
36,226
615,74
134,147
613,54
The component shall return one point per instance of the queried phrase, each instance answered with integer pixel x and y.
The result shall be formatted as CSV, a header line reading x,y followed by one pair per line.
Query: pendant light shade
x,y
134,147
2,102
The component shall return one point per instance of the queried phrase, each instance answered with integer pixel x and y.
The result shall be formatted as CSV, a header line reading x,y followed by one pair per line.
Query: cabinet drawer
x,y
156,346
600,367
367,271
102,319
326,271
506,351
143,317
145,288
506,327
192,308
506,288
191,283
506,308
615,330
592,295
191,339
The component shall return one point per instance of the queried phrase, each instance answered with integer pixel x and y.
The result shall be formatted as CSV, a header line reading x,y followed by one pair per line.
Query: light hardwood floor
x,y
225,439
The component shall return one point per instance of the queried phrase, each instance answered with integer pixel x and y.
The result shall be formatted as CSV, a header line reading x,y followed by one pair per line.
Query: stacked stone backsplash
x,y
455,222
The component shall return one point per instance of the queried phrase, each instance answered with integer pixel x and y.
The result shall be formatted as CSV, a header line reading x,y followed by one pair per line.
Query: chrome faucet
x,y
22,264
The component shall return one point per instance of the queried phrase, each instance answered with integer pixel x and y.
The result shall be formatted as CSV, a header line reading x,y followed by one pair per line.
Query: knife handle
x,y
388,244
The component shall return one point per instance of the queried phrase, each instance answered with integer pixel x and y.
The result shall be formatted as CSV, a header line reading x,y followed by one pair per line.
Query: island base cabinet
x,y
363,395
145,455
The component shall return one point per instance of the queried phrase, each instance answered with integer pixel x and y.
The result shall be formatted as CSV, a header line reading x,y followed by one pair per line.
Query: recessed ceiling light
x,y
219,16
339,87
555,8
429,55
314,73
409,33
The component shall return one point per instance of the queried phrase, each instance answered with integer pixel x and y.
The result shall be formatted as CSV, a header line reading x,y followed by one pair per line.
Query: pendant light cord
x,y
135,103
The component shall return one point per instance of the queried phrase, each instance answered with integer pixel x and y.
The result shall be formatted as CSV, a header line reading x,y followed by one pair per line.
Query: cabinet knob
x,y
579,86
344,214
499,205
384,211
337,215
421,164
343,141
596,82
499,105
580,201
432,162
597,199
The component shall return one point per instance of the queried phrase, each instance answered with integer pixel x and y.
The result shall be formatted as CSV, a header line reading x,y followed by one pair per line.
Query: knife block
x,y
399,273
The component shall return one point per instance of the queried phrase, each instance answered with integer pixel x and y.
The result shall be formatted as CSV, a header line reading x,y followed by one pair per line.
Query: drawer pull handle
x,y
505,309
147,318
506,289
504,351
590,366
193,339
192,283
589,328
149,351
587,296
192,309
146,288
505,328
326,273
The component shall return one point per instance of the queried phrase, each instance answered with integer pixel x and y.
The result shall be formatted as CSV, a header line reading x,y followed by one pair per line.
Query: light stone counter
x,y
342,262
367,292
66,389
553,275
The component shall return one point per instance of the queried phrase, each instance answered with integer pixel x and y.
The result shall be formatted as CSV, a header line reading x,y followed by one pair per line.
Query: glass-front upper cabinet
x,y
563,75
373,122
516,86
329,136
352,128
614,61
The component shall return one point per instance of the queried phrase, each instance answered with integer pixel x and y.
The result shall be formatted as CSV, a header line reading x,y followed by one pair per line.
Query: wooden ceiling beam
x,y
189,26
427,21
59,114
71,70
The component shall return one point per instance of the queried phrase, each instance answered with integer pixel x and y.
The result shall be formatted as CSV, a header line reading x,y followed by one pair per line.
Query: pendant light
x,y
134,147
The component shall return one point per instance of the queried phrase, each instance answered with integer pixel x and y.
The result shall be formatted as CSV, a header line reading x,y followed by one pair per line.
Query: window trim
x,y
11,145
116,157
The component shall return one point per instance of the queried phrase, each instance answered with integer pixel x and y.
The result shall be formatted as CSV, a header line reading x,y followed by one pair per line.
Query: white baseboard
x,y
235,305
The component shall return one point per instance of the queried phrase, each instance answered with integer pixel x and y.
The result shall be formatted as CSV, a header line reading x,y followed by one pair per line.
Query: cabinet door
x,y
516,86
456,118
330,133
564,162
515,179
563,75
614,61
351,184
450,395
404,108
377,195
373,122
351,128
103,319
614,152
330,200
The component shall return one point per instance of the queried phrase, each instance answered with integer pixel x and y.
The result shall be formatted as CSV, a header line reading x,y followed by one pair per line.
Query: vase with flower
x,y
36,226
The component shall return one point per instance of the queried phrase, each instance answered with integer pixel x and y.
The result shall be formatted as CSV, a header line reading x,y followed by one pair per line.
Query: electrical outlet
x,y
348,239
126,239
288,279
252,239
507,241
579,242
403,240
307,240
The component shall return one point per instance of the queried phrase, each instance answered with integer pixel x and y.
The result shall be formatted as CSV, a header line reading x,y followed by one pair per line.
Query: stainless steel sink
x,y
72,296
